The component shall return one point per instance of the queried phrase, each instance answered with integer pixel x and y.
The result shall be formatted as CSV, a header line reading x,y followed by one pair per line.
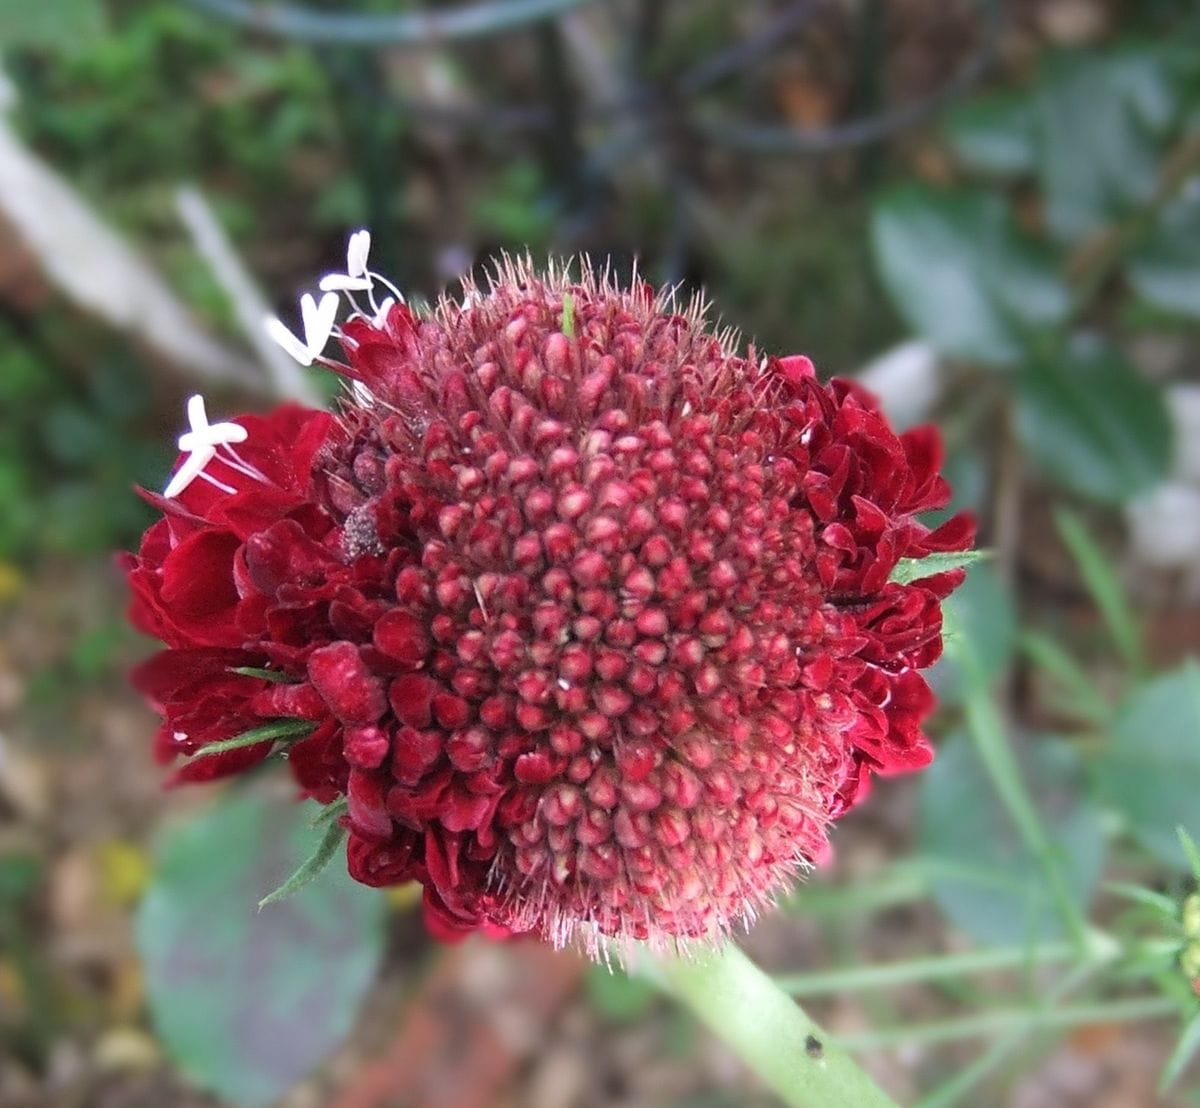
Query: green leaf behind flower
x,y
1087,419
248,1002
962,276
983,876
1150,769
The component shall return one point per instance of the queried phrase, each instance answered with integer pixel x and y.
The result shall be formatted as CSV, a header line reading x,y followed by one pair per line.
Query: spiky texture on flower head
x,y
590,612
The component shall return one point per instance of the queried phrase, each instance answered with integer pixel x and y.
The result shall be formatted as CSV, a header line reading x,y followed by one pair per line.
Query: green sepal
x,y
909,570
264,674
330,812
310,868
289,729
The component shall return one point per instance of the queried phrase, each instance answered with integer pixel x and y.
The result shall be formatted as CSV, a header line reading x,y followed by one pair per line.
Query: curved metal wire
x,y
768,138
376,29
485,18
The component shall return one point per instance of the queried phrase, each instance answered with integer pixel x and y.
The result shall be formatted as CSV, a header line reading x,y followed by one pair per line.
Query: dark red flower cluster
x,y
590,615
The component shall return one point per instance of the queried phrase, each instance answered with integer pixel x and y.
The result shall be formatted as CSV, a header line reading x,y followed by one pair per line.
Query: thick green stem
x,y
772,1034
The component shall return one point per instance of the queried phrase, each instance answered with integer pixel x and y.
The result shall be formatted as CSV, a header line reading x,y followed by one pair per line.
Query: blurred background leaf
x,y
983,877
250,1001
1149,770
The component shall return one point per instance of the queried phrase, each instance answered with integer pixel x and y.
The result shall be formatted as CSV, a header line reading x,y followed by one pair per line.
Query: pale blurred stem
x,y
956,1087
916,970
986,728
1007,500
770,1032
999,1021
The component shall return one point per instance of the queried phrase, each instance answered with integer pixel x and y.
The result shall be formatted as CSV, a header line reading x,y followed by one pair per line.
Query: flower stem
x,y
771,1033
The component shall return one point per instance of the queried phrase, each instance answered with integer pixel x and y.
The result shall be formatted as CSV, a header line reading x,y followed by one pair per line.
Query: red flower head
x,y
589,615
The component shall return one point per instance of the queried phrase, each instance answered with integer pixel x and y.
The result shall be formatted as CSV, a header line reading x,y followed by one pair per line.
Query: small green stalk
x,y
987,731
772,1034
859,978
1001,1021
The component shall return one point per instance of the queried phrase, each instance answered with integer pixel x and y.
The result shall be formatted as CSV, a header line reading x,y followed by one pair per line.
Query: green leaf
x,y
1185,1050
567,325
1161,906
981,610
311,868
1104,586
994,134
52,24
248,1002
1190,850
279,729
1089,421
330,812
264,674
1165,268
1150,769
1083,698
913,569
996,891
1097,156
960,274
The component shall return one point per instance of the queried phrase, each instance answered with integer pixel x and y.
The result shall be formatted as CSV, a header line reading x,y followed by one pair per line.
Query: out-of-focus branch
x,y
768,138
95,269
214,247
374,29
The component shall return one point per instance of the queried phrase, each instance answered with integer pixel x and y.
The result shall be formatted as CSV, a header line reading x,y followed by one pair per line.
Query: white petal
x,y
276,329
196,414
382,314
357,250
339,282
318,320
188,472
215,435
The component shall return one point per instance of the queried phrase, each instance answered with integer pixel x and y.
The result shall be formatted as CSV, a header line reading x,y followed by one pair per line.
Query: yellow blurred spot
x,y
404,898
126,1050
12,992
12,581
126,991
124,871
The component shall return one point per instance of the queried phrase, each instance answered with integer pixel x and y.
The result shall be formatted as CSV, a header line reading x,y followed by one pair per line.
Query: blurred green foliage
x,y
68,465
1108,144
250,1001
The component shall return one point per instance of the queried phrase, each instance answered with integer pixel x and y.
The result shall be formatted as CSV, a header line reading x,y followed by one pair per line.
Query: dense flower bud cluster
x,y
590,615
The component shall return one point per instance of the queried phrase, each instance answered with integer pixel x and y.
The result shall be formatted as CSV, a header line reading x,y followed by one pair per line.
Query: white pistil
x,y
317,319
356,278
381,314
200,444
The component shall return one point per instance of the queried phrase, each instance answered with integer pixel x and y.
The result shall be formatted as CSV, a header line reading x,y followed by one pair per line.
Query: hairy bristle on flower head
x,y
592,610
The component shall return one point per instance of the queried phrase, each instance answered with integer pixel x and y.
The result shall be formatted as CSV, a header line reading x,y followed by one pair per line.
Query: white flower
x,y
200,444
356,278
317,319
